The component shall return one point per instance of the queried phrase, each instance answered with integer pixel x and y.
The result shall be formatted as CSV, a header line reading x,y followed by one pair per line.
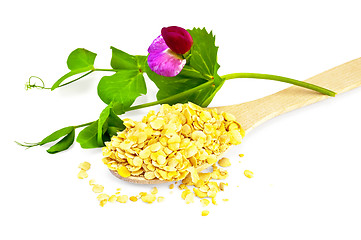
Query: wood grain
x,y
251,114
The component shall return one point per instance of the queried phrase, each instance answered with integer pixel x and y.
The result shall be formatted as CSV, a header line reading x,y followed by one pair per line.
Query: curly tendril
x,y
28,84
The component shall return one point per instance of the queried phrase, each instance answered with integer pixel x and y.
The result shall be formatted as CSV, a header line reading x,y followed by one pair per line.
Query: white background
x,y
306,163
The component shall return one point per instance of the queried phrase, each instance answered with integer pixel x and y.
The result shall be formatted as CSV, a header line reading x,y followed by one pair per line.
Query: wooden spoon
x,y
251,114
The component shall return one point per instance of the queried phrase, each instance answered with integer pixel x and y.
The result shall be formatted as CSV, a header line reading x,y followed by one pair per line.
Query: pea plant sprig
x,y
182,64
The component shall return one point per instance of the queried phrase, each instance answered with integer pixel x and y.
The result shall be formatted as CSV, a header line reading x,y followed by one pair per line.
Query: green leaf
x,y
102,130
123,87
56,135
203,52
122,60
81,58
142,62
102,120
87,138
69,74
63,144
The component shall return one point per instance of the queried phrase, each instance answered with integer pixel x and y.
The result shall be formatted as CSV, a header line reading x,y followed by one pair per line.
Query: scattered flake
x,y
154,190
248,173
82,174
103,196
205,213
133,198
241,155
225,199
148,198
112,198
103,202
97,188
84,166
122,198
91,182
222,185
224,162
214,202
189,198
204,202
160,199
171,186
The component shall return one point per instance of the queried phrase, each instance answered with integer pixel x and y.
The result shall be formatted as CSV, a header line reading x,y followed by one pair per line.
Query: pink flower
x,y
165,53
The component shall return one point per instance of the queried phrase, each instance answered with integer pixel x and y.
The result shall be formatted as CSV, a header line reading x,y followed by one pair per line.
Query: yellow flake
x,y
204,202
224,162
97,188
199,193
123,171
82,174
145,153
185,193
229,117
160,199
236,137
91,182
154,190
149,175
189,198
194,174
214,202
190,151
122,198
84,166
148,198
112,198
103,202
205,177
211,159
171,186
157,124
225,199
241,155
248,173
133,198
205,213
103,196
222,186
137,161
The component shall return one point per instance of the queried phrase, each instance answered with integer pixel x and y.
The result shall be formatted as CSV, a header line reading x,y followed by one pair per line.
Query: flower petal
x,y
158,45
163,60
178,39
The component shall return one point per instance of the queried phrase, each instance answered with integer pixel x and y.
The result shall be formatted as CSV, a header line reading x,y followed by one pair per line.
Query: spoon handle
x,y
339,79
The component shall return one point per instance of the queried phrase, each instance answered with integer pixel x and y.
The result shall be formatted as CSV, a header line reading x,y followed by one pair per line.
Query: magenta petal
x,y
164,61
158,45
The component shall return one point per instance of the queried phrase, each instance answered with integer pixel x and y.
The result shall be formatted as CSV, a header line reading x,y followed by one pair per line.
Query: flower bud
x,y
177,39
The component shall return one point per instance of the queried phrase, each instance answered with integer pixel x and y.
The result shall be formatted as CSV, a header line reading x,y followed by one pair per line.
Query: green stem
x,y
280,79
106,70
173,97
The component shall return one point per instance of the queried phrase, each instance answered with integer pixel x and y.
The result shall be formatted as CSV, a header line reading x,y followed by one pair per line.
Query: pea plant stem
x,y
280,79
206,84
